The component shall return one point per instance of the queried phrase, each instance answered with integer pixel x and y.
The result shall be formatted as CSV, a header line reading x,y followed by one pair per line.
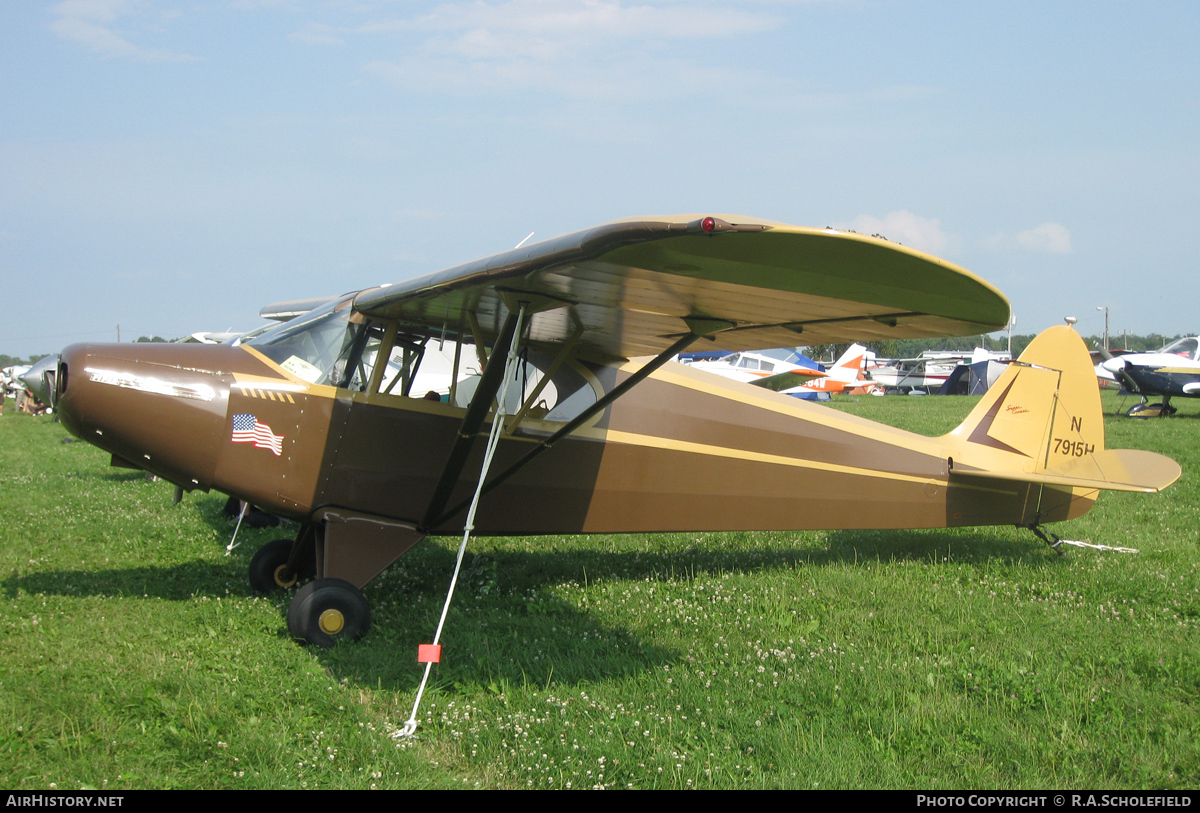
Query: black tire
x,y
268,567
326,611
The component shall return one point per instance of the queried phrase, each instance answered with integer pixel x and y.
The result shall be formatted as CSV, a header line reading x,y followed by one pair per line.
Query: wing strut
x,y
481,401
601,404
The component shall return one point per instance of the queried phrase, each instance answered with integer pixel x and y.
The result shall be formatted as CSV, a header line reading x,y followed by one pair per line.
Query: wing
x,y
788,379
635,286
283,311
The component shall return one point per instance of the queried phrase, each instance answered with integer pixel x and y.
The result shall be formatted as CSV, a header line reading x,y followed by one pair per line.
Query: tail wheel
x,y
269,570
326,611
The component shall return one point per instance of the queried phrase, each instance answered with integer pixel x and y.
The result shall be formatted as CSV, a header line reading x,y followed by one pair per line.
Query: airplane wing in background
x,y
284,311
788,379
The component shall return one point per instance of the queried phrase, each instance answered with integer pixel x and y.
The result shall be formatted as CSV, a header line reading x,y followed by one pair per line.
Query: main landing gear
x,y
270,569
336,554
323,611
326,611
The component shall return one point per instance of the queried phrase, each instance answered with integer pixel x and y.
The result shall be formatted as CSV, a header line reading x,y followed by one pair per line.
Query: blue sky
x,y
173,166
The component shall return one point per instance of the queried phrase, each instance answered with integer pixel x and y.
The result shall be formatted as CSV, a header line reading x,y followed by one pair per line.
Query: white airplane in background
x,y
1173,370
928,371
750,366
846,374
790,375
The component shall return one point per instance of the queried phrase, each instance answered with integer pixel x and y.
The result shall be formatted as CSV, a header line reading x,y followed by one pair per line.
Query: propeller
x,y
1116,366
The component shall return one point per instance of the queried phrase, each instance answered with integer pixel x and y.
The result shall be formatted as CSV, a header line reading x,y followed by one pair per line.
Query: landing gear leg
x,y
281,564
1049,537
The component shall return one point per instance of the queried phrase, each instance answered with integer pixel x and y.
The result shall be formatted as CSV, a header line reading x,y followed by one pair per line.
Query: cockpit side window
x,y
354,367
334,346
533,396
405,361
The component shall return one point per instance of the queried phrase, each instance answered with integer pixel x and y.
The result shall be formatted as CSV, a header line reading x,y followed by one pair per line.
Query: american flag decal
x,y
248,429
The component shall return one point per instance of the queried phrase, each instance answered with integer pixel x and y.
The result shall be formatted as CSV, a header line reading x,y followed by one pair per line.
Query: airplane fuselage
x,y
683,451
1162,374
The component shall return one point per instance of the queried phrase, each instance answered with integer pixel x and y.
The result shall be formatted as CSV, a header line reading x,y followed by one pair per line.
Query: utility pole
x,y
1102,308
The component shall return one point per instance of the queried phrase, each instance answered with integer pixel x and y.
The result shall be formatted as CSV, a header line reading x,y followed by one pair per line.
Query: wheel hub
x,y
285,577
331,622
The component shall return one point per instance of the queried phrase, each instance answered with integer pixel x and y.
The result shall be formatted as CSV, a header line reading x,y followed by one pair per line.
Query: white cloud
x,y
89,23
574,48
904,227
1048,238
104,11
590,19
572,77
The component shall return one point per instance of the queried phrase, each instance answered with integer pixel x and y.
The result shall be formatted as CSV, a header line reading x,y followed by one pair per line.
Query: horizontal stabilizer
x,y
1111,469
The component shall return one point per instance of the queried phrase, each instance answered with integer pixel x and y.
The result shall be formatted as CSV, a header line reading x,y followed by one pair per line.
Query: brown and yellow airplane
x,y
327,418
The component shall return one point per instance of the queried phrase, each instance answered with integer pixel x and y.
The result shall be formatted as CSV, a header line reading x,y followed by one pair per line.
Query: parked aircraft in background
x,y
846,375
1172,371
10,377
780,369
792,373
39,378
608,437
927,372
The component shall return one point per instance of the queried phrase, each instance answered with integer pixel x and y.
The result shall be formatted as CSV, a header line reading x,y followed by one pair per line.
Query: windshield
x,y
310,346
1183,347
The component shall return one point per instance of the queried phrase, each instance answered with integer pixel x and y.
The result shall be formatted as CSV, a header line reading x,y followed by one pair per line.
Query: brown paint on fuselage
x,y
682,451
118,397
386,459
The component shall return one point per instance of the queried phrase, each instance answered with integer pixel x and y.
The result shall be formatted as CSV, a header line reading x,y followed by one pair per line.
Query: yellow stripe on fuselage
x,y
287,382
822,416
631,438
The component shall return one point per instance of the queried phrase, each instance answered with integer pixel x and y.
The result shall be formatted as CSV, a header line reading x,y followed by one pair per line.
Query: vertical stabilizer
x,y
1043,414
848,368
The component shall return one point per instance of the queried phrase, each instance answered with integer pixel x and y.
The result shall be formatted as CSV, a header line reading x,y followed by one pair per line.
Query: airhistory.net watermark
x,y
61,800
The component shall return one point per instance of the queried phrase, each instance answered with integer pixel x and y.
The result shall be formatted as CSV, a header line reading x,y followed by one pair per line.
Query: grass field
x,y
133,654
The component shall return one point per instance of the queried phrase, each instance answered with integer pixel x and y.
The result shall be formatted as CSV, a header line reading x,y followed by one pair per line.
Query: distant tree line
x,y
17,361
911,348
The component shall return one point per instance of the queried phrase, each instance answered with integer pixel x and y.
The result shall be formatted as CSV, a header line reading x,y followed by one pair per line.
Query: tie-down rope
x,y
510,367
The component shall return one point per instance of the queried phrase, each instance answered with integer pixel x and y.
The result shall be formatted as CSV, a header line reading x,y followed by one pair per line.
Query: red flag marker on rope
x,y
429,653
